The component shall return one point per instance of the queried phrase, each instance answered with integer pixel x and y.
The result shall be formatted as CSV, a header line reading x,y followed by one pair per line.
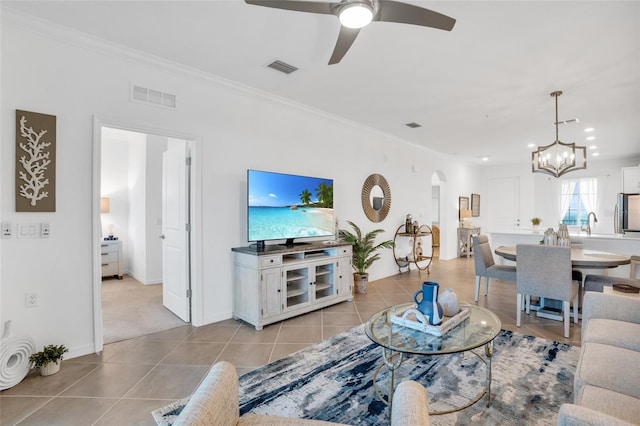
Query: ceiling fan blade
x,y
403,13
345,39
298,6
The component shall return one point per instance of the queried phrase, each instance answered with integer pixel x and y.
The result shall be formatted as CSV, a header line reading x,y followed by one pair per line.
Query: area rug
x,y
333,381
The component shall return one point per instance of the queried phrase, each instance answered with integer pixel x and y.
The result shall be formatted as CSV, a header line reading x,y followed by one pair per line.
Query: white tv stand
x,y
281,282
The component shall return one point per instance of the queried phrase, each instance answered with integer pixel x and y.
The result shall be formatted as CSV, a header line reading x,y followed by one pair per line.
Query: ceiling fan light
x,y
356,16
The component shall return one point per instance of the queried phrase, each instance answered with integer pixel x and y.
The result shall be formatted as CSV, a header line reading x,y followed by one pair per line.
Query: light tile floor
x,y
129,379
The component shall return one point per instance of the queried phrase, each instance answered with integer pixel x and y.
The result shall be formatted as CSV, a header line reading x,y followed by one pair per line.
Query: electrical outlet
x,y
45,229
31,300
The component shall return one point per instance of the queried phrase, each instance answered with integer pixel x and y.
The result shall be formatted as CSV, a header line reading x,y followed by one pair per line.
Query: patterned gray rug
x,y
333,381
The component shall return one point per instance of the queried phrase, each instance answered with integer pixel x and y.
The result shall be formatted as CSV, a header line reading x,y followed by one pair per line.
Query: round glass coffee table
x,y
479,329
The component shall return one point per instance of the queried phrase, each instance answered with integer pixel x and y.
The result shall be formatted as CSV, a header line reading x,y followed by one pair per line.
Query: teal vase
x,y
427,301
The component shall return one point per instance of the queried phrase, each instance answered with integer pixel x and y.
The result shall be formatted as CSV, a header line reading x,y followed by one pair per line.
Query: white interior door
x,y
504,203
175,230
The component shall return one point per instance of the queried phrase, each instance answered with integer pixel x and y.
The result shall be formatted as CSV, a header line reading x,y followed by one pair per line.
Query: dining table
x,y
580,259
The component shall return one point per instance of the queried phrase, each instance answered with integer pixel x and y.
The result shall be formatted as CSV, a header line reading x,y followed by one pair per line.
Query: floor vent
x,y
153,97
413,125
282,67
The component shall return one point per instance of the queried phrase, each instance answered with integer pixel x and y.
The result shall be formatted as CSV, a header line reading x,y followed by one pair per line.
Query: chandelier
x,y
559,157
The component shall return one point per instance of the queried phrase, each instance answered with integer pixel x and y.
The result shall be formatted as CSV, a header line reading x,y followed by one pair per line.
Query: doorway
x,y
131,172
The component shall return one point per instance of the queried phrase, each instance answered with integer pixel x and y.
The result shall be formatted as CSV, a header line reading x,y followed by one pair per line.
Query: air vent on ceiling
x,y
282,67
151,96
413,125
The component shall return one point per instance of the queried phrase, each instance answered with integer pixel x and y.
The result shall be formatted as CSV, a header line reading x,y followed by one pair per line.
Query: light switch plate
x,y
28,230
45,230
7,230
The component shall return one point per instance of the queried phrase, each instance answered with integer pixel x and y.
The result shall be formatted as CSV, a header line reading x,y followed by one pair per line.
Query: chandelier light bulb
x,y
356,16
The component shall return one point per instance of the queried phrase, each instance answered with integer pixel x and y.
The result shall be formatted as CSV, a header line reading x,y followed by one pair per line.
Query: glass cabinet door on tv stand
x,y
296,287
413,248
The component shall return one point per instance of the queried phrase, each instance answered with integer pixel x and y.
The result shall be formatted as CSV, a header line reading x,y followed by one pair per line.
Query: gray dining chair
x,y
545,271
486,267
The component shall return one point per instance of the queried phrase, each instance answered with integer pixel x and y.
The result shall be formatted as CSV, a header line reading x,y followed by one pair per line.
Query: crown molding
x,y
81,40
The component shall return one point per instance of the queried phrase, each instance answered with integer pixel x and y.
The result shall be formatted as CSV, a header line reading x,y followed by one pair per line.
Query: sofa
x,y
215,402
607,378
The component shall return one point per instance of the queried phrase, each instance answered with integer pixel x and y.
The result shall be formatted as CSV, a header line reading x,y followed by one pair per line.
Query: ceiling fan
x,y
355,14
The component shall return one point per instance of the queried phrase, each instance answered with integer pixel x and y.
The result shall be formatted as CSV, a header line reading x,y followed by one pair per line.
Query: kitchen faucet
x,y
595,220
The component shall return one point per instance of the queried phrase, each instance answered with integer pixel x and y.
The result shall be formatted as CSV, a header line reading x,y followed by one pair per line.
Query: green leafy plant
x,y
50,353
536,221
364,246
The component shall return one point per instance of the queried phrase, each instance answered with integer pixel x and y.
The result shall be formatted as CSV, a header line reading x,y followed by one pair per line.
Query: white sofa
x,y
607,379
215,402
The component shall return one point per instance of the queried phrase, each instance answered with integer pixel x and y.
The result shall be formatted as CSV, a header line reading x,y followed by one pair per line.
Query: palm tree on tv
x,y
324,193
305,197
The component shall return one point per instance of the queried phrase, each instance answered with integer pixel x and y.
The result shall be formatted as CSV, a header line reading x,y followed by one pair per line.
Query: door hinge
x,y
188,227
188,292
261,312
188,161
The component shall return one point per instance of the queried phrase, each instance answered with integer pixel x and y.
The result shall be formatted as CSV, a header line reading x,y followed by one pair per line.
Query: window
x,y
578,198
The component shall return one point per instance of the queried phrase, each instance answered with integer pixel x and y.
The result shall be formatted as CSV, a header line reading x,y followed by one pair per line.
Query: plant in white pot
x,y
364,252
48,359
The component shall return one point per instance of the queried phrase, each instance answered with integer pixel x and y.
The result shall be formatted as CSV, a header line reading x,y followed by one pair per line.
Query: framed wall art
x,y
463,204
35,179
475,205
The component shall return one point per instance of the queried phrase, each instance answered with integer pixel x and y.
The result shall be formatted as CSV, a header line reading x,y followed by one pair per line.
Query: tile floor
x,y
129,379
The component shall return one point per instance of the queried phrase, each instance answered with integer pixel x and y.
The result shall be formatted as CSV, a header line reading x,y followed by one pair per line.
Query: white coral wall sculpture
x,y
35,163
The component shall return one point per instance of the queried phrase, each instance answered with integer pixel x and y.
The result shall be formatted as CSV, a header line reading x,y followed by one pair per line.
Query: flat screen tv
x,y
286,207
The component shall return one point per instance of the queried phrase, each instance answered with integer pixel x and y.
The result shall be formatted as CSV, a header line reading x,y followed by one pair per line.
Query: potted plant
x,y
48,359
536,222
364,252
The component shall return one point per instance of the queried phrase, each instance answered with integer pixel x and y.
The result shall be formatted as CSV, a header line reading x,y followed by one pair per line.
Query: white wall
x,y
156,145
540,193
282,137
134,247
132,178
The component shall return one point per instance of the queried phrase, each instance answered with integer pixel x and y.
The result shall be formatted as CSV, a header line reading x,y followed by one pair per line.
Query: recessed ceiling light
x,y
593,147
589,129
531,145
413,125
590,138
485,158
595,154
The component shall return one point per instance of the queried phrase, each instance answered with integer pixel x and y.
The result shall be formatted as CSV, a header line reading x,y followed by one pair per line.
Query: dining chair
x,y
545,271
486,267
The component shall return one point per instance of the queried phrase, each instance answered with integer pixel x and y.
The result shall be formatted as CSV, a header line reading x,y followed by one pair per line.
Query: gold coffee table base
x,y
393,364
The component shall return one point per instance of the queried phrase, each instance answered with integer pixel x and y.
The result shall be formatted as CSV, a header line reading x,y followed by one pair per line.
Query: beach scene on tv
x,y
282,206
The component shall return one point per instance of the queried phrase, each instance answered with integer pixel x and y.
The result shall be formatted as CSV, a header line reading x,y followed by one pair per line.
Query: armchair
x,y
215,402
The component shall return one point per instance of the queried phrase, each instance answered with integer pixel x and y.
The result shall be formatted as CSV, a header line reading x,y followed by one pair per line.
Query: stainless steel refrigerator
x,y
627,213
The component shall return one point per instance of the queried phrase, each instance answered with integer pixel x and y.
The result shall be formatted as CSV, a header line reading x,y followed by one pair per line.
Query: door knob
x,y
162,237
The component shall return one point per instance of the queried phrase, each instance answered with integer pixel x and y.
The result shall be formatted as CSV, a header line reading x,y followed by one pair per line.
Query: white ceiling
x,y
480,90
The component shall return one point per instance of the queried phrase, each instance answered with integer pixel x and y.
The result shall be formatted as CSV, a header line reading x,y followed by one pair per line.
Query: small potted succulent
x,y
48,359
536,222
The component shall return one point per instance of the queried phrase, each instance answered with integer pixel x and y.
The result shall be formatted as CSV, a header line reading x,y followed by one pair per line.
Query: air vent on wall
x,y
153,97
282,67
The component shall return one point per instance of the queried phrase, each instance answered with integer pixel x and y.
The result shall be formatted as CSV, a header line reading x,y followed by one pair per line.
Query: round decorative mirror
x,y
376,198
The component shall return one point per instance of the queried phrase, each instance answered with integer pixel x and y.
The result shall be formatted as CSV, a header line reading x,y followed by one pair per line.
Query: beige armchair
x,y
486,267
545,271
215,402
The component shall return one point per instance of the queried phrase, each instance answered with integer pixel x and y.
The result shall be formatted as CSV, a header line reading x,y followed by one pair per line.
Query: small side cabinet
x,y
111,258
